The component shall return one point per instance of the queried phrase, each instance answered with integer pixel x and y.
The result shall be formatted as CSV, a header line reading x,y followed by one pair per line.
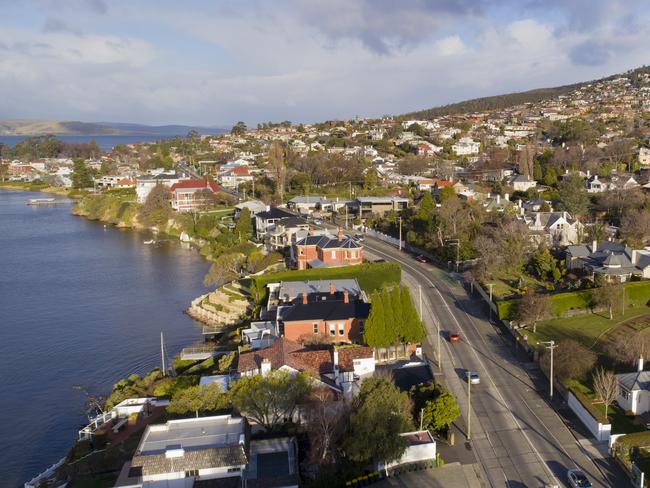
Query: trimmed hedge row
x,y
636,292
371,276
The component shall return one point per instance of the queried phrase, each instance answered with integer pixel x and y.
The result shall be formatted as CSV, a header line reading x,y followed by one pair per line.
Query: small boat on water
x,y
150,241
42,201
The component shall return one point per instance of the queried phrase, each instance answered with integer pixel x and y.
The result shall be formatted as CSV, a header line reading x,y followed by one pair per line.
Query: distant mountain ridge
x,y
18,127
499,102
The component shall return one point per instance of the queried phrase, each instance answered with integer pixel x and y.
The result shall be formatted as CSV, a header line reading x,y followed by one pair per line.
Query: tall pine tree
x,y
413,330
375,329
392,333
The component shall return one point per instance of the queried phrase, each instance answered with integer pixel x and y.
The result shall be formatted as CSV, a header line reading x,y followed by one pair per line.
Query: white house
x,y
466,146
144,184
644,156
634,390
522,182
554,228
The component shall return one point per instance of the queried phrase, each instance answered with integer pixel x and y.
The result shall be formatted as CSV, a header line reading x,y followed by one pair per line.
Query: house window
x,y
625,394
332,330
315,328
342,329
361,327
191,473
234,470
333,254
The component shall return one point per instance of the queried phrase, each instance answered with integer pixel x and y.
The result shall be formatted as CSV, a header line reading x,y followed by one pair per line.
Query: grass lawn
x,y
621,423
586,329
506,287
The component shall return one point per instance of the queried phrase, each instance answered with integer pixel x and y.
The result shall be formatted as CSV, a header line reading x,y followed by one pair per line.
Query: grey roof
x,y
217,457
327,310
329,242
292,289
306,200
635,381
274,213
381,199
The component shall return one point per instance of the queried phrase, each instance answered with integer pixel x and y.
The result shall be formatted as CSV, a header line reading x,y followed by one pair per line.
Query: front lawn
x,y
587,328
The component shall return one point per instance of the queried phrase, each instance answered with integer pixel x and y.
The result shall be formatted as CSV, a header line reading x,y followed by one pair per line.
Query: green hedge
x,y
636,439
636,292
586,402
371,276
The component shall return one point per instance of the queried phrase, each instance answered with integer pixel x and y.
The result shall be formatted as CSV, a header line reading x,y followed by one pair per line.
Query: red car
x,y
421,259
454,337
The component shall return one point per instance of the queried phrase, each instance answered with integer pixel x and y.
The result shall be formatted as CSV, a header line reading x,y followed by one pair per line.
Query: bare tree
x,y
533,307
225,268
606,386
608,296
325,424
278,162
570,360
627,348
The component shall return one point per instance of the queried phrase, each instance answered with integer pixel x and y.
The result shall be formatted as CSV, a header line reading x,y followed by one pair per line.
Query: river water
x,y
80,306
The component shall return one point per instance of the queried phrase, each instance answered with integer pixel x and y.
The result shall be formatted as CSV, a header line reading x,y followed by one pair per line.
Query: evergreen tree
x,y
413,330
81,175
396,305
244,226
392,333
375,331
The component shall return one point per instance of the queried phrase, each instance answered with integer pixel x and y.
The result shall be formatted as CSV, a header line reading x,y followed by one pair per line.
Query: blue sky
x,y
216,62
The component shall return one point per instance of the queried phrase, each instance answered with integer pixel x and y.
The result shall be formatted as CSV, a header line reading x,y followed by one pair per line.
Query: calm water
x,y
106,143
79,305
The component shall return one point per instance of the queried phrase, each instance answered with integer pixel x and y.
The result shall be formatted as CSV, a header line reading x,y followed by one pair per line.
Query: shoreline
x,y
106,220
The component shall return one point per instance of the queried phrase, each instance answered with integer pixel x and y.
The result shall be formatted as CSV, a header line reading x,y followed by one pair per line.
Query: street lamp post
x,y
550,345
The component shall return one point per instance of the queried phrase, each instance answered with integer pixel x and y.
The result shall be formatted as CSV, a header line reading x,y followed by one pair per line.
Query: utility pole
x,y
455,242
469,406
490,304
421,417
550,345
346,217
400,233
420,291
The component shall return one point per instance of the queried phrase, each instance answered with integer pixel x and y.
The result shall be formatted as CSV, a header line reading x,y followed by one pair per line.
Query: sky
x,y
216,62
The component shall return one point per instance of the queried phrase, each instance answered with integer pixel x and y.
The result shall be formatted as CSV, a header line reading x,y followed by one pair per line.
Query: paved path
x,y
518,438
453,475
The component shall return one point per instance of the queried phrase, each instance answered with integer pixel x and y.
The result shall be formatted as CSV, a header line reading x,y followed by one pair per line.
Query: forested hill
x,y
498,102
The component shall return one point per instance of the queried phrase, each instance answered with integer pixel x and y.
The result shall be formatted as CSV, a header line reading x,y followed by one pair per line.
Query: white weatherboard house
x,y
634,390
421,447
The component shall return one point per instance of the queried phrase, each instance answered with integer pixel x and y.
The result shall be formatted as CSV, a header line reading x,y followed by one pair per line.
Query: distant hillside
x,y
499,102
73,128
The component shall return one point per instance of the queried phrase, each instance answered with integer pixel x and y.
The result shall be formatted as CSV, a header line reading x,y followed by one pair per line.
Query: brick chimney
x,y
304,299
340,234
346,297
331,288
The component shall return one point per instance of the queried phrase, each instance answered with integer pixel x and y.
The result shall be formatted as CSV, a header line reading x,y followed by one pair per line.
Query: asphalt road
x,y
517,437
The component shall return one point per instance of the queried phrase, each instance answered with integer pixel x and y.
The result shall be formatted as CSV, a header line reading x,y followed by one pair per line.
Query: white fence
x,y
600,431
384,237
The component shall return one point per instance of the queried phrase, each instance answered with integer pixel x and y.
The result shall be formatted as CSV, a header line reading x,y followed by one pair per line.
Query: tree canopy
x,y
393,319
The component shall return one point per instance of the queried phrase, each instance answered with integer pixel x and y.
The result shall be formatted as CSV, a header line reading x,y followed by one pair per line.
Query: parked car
x,y
474,378
359,238
318,221
421,259
454,337
578,479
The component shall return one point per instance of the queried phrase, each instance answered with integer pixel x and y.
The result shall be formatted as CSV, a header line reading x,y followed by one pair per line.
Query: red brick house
x,y
327,251
332,317
335,367
188,195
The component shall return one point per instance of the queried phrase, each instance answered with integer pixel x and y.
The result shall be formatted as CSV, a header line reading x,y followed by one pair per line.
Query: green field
x,y
586,329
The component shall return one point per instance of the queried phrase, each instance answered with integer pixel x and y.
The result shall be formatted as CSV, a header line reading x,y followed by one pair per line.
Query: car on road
x,y
358,238
421,258
318,221
577,479
473,377
454,337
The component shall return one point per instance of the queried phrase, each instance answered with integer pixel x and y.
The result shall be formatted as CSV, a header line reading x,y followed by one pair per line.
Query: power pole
x,y
550,345
469,406
490,304
162,353
420,290
400,233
